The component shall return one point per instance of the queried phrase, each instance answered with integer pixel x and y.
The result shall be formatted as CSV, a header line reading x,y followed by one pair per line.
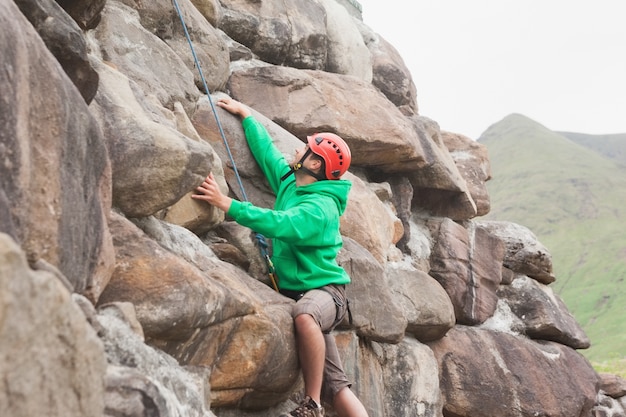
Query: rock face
x,y
122,296
51,358
486,373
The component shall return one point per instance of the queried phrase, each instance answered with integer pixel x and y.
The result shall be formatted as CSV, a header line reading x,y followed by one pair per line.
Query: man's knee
x,y
304,322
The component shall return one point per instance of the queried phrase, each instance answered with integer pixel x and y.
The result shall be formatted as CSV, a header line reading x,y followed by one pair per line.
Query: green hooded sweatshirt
x,y
304,225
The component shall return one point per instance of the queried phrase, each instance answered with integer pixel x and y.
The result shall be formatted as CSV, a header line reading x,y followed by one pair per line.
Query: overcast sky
x,y
560,62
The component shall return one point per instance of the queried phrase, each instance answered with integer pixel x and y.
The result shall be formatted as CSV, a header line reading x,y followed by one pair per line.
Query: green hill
x,y
570,190
612,146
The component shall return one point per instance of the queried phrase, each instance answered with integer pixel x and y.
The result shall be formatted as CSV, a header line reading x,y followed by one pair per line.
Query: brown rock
x,y
524,253
347,53
543,313
411,380
486,374
131,48
507,276
158,18
207,313
153,164
438,184
171,297
258,363
65,40
613,385
229,253
391,379
390,74
252,179
467,263
272,31
472,160
424,302
381,138
49,350
56,178
304,102
368,221
125,312
85,12
141,380
376,316
197,216
210,9
402,195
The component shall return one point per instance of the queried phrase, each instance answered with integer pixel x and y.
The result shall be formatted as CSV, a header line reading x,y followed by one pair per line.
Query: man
x,y
304,226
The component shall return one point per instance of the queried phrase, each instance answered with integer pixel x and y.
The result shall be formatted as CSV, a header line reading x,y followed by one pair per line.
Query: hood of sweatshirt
x,y
337,190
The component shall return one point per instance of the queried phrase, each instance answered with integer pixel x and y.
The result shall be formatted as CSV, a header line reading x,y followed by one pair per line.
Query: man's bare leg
x,y
346,404
311,352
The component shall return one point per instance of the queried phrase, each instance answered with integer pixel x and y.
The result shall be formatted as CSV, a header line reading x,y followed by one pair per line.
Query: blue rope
x,y
263,246
206,89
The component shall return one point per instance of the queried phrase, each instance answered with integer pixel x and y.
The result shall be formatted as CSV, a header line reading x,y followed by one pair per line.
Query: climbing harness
x,y
264,248
263,245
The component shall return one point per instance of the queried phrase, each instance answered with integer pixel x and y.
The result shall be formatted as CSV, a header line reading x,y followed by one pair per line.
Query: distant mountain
x,y
570,190
612,146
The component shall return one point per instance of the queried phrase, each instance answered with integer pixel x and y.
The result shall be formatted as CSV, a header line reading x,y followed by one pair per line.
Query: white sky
x,y
560,62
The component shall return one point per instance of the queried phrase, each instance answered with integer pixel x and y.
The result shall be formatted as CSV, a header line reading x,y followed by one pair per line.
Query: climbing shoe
x,y
307,408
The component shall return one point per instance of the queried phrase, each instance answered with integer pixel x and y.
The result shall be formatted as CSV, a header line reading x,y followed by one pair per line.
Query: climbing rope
x,y
263,245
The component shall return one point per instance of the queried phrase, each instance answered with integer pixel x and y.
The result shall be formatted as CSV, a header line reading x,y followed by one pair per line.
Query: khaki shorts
x,y
327,306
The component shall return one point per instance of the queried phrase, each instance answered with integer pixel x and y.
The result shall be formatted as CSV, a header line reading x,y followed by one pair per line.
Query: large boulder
x,y
369,221
122,42
55,175
85,12
188,212
305,102
141,380
347,53
49,352
154,165
376,317
467,262
524,253
438,185
170,295
382,140
205,312
412,380
472,160
424,302
543,312
485,373
284,33
160,18
390,74
392,380
65,40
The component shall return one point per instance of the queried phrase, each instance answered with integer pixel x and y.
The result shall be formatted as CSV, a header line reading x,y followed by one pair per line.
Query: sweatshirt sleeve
x,y
270,159
287,225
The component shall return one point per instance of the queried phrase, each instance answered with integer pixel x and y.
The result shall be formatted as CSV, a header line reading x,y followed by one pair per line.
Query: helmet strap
x,y
317,176
300,166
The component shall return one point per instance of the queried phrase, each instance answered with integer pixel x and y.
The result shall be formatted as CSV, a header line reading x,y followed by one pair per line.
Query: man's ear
x,y
316,164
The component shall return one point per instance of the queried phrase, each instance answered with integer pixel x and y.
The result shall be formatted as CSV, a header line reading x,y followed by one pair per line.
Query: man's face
x,y
299,154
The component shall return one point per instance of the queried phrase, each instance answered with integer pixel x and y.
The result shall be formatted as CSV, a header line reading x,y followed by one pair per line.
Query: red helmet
x,y
333,150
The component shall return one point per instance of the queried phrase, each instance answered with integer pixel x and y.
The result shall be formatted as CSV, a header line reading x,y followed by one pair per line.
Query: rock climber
x,y
304,228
